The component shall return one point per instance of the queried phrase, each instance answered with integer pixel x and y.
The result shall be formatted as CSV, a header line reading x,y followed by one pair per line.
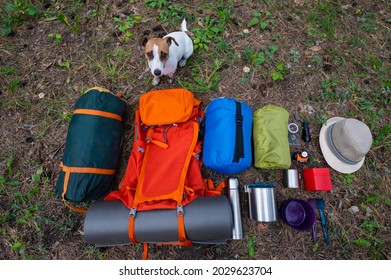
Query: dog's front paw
x,y
182,62
155,81
170,80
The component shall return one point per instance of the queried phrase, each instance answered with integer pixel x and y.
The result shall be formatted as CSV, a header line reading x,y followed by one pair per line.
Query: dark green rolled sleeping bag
x,y
270,133
92,148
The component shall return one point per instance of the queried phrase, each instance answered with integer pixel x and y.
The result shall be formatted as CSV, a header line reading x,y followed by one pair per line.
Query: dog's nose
x,y
157,72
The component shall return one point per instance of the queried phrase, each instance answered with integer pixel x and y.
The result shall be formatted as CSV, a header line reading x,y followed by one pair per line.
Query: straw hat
x,y
344,143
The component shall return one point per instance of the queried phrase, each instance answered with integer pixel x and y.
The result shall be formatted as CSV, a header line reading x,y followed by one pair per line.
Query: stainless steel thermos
x,y
234,197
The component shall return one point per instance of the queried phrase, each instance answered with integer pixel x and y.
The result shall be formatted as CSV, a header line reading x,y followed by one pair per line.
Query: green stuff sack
x,y
92,148
270,133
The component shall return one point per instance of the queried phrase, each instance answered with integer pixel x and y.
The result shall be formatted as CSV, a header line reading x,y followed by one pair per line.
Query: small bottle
x,y
234,197
306,136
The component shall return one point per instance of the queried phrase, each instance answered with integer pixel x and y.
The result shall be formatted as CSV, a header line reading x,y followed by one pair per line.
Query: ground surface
x,y
317,59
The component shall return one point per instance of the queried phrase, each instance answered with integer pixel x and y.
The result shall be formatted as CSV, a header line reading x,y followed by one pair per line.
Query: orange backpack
x,y
163,170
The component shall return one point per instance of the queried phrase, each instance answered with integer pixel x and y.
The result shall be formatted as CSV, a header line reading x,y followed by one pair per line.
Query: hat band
x,y
334,149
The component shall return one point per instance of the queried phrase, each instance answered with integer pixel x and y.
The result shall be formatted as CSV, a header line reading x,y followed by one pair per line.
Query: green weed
x,y
369,107
251,245
347,178
323,19
24,209
315,247
64,63
8,164
321,117
156,3
329,89
7,71
357,42
226,14
92,251
249,57
368,238
67,225
263,20
76,27
295,55
65,115
362,242
56,37
174,14
371,226
14,84
9,179
15,13
110,68
383,138
205,80
316,59
373,62
114,63
367,21
125,25
278,72
168,13
266,55
97,12
208,31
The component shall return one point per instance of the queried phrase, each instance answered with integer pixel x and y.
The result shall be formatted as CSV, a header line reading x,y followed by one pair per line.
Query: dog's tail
x,y
184,26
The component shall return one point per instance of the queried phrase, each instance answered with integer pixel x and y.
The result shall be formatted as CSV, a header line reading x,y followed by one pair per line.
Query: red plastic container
x,y
317,179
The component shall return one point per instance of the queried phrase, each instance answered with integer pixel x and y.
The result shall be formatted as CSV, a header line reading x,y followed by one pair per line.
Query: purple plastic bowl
x,y
298,214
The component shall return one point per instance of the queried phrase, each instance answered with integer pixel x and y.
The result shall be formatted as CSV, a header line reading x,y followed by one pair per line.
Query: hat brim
x,y
332,160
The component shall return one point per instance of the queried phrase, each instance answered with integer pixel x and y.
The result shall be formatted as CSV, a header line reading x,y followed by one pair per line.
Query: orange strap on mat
x,y
181,224
69,169
132,216
145,254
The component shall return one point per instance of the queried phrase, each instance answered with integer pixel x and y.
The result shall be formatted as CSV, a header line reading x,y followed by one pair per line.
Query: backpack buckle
x,y
132,213
179,210
239,118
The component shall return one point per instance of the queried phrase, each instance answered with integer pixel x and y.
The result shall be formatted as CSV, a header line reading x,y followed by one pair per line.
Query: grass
x,y
15,13
126,25
323,18
204,80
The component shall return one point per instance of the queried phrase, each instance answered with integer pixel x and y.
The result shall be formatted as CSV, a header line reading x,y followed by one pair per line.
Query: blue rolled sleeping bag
x,y
227,143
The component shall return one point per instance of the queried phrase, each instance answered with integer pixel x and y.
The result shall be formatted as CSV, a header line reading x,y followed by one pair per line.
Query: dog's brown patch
x,y
163,45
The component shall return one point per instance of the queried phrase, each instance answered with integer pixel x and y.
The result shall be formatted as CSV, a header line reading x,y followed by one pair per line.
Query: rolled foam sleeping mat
x,y
207,220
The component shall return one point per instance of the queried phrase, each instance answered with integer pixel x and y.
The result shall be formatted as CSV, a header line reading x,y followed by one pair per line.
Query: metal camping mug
x,y
234,197
290,179
262,202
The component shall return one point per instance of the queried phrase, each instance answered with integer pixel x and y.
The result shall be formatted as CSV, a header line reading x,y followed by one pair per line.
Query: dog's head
x,y
156,51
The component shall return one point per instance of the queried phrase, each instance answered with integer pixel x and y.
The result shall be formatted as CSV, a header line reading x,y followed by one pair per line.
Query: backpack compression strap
x,y
68,170
181,225
239,142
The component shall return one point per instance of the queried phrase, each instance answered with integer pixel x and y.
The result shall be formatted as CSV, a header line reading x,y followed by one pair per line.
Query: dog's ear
x,y
169,40
143,41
